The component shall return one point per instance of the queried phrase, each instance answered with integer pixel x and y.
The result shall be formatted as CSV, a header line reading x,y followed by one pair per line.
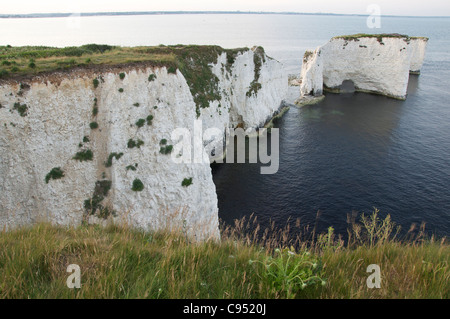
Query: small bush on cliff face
x,y
121,90
95,108
186,182
166,149
93,125
140,123
149,119
55,173
138,186
93,205
96,82
152,77
85,155
131,167
132,143
117,156
21,108
172,70
122,76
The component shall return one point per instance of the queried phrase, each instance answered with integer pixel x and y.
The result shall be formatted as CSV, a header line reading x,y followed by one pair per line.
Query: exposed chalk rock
x,y
374,63
55,125
418,46
312,73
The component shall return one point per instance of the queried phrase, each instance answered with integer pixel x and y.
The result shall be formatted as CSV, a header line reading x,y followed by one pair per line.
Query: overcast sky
x,y
388,7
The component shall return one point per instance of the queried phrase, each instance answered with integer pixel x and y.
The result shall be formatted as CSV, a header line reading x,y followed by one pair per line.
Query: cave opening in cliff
x,y
348,86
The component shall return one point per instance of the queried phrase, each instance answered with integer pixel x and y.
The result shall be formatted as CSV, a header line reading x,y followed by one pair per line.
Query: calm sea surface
x,y
348,153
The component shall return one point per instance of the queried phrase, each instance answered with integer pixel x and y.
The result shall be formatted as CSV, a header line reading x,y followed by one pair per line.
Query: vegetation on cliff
x,y
118,262
23,63
379,37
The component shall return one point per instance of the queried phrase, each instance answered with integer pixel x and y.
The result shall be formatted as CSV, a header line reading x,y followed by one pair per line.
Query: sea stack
x,y
378,64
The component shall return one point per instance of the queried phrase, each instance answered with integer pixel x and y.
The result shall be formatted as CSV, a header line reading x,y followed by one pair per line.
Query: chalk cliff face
x,y
47,121
312,73
374,64
418,48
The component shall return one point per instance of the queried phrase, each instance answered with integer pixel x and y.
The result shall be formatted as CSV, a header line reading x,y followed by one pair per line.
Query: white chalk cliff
x,y
374,63
55,125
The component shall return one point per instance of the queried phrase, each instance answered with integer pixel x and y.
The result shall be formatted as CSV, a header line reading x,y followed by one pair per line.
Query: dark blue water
x,y
358,151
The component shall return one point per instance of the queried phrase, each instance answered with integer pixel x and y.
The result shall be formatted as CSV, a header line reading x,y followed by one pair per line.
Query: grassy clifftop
x,y
24,63
379,37
34,60
117,262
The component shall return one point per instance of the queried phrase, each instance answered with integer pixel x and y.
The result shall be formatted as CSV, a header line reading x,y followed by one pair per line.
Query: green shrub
x,y
136,104
122,76
55,173
4,74
86,139
138,186
130,167
140,123
152,77
117,156
85,155
166,149
93,125
149,119
291,272
32,65
93,205
132,144
21,108
121,90
172,70
186,182
254,88
96,82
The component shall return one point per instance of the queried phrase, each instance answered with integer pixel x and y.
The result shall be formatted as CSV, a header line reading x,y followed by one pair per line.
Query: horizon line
x,y
122,13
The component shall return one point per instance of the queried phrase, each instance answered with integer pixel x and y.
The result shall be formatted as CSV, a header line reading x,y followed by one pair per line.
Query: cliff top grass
x,y
25,63
380,36
30,61
119,262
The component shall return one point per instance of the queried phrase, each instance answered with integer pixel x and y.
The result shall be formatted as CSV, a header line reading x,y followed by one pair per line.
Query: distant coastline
x,y
131,13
